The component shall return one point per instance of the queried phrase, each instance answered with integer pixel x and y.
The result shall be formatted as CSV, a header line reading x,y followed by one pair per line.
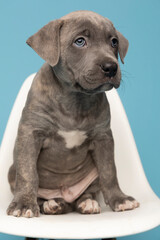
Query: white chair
x,y
74,225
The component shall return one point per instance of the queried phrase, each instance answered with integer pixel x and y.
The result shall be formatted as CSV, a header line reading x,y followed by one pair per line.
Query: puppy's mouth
x,y
101,88
91,86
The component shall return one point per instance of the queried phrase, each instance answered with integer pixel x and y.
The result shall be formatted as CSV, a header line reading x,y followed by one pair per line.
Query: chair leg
x,y
28,238
108,238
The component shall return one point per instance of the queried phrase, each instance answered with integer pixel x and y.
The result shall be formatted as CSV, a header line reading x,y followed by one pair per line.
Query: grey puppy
x,y
64,150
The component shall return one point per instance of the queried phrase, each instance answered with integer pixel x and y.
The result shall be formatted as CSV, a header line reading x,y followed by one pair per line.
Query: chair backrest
x,y
130,172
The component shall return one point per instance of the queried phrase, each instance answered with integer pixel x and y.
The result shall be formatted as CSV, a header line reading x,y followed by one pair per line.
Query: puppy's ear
x,y
46,42
123,46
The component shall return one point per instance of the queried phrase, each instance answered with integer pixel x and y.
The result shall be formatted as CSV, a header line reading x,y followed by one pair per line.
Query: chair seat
x,y
74,225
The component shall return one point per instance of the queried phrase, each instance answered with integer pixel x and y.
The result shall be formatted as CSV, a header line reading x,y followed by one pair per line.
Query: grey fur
x,y
68,94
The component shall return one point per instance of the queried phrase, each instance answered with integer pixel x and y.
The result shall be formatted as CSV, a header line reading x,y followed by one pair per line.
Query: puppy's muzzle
x,y
109,69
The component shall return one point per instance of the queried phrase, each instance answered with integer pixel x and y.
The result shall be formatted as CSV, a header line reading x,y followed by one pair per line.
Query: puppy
x,y
64,150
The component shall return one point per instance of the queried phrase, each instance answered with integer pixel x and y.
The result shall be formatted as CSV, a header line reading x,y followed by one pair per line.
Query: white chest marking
x,y
73,138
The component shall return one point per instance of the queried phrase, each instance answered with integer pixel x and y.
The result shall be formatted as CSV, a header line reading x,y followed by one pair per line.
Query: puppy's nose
x,y
109,68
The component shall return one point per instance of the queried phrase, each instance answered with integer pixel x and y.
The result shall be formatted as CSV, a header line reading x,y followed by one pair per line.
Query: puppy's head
x,y
82,47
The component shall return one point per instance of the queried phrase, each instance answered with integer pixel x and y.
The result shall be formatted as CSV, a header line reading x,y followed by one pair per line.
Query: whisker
x,y
126,78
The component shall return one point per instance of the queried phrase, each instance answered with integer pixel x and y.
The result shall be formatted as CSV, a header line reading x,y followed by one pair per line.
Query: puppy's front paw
x,y
19,209
89,206
123,204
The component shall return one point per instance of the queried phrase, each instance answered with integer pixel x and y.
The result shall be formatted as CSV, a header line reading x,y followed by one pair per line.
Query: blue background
x,y
139,21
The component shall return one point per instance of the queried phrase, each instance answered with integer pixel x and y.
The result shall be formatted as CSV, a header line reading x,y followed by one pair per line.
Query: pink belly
x,y
69,194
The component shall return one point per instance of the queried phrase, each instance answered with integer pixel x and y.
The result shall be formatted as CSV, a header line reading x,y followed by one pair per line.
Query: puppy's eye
x,y
80,42
114,42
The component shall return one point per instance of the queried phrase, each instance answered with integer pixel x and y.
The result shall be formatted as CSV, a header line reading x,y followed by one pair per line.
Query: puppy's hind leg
x,y
87,203
54,206
12,177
